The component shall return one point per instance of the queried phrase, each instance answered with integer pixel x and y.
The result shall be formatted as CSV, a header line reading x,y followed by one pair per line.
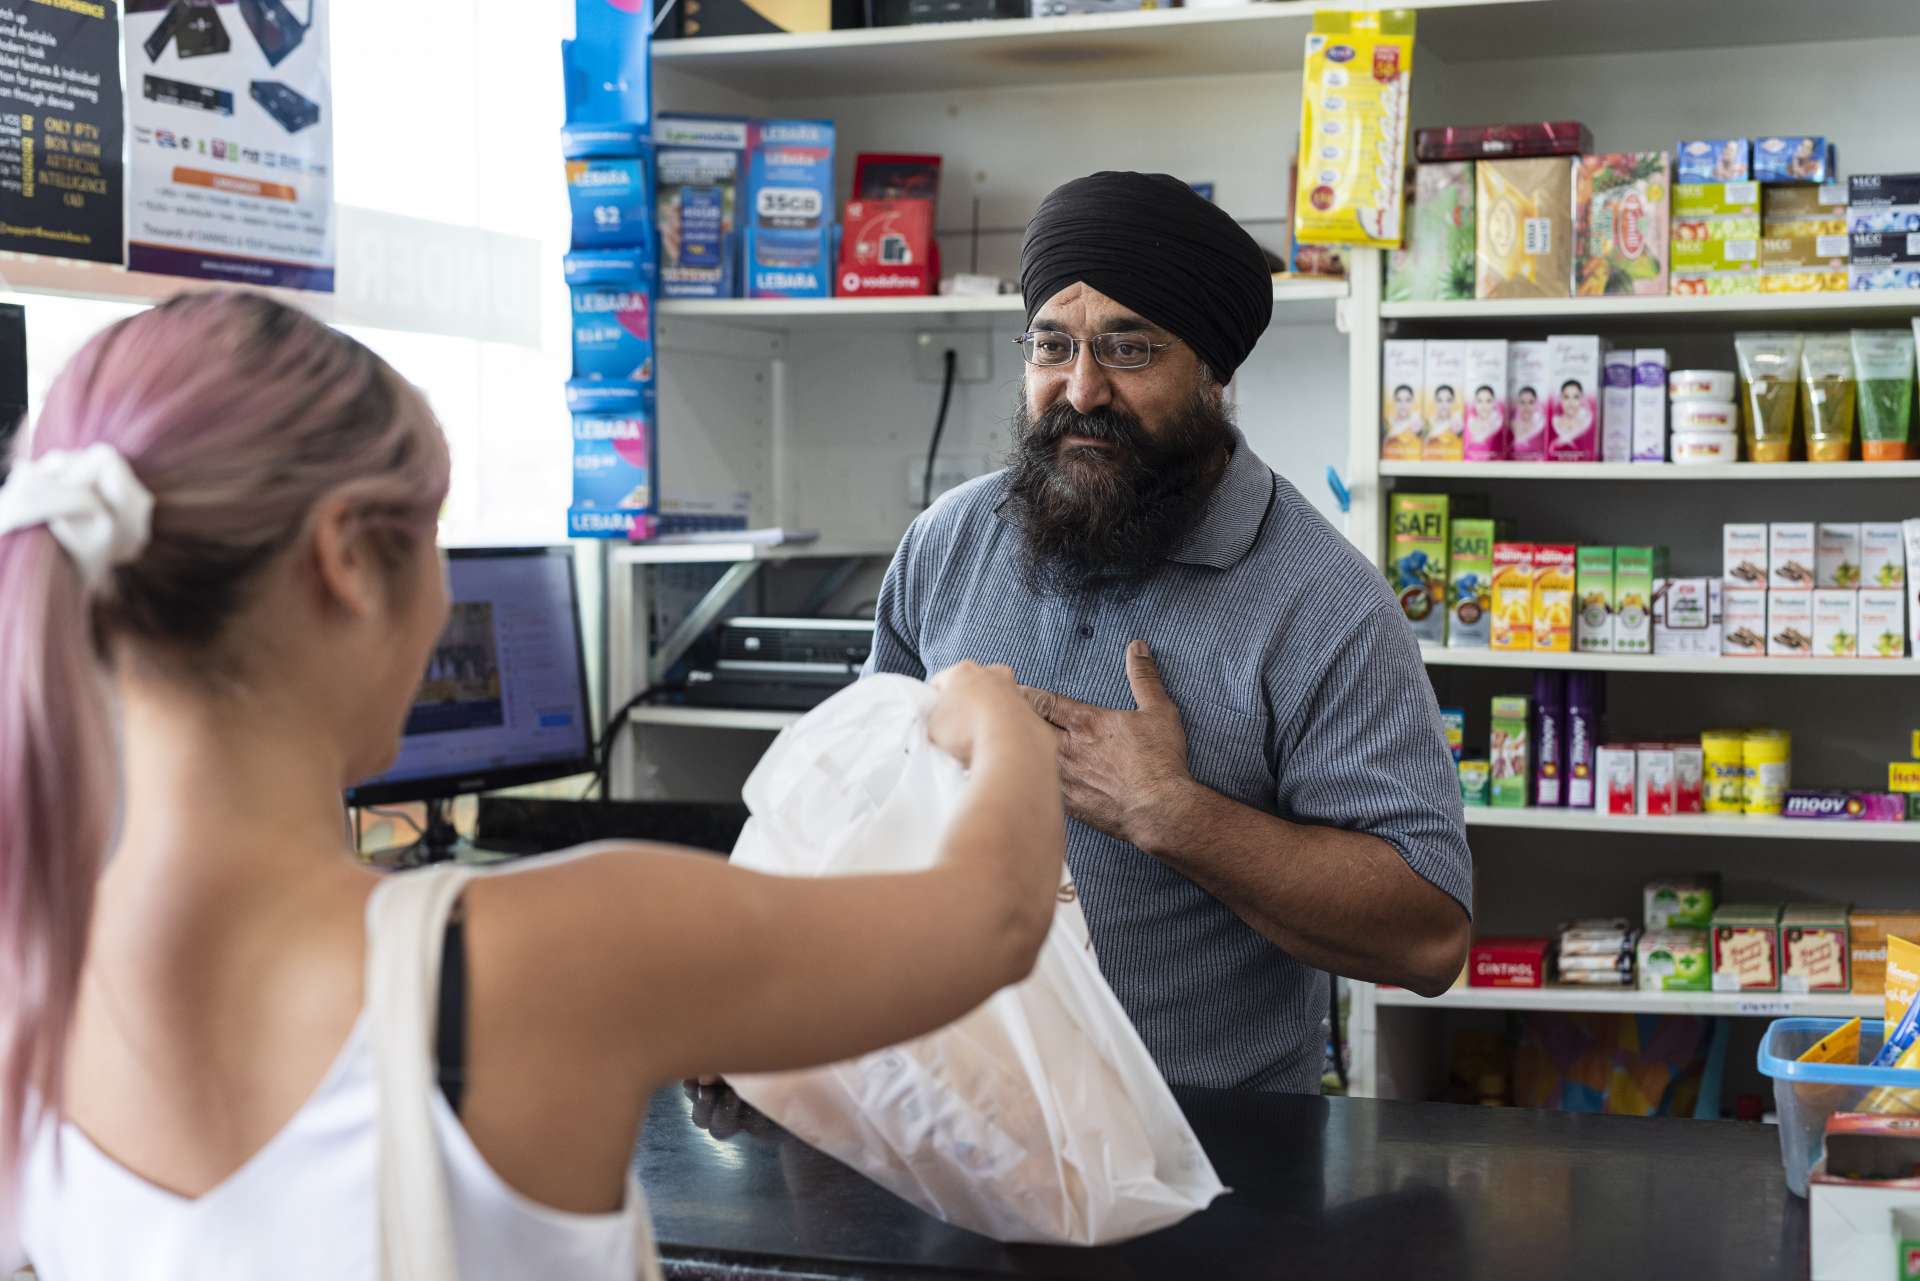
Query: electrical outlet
x,y
930,348
949,471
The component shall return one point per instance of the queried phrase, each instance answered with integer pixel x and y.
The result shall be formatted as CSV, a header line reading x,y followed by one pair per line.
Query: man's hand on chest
x,y
1122,772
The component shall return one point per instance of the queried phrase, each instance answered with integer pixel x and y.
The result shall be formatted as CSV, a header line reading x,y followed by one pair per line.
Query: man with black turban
x,y
1260,787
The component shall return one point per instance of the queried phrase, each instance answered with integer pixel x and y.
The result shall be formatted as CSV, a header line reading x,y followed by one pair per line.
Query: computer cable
x,y
939,426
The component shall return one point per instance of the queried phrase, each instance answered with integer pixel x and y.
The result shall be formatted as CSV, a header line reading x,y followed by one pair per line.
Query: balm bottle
x,y
1586,701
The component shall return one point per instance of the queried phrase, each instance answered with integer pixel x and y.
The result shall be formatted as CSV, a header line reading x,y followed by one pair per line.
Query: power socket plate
x,y
930,347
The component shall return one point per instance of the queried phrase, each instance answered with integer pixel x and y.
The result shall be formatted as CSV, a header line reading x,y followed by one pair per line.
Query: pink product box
x,y
1573,398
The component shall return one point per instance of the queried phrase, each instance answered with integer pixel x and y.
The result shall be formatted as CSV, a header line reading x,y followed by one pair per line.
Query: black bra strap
x,y
450,1041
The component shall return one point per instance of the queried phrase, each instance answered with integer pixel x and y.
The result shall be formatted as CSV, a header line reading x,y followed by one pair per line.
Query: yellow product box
x,y
1738,202
1808,253
1512,596
1803,282
1868,930
1799,210
1357,87
1903,776
1554,578
1842,1045
1523,228
1714,284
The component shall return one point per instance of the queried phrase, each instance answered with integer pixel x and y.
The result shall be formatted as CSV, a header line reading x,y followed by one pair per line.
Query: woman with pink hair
x,y
218,590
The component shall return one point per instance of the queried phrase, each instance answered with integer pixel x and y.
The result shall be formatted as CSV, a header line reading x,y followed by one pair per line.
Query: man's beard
x,y
1102,519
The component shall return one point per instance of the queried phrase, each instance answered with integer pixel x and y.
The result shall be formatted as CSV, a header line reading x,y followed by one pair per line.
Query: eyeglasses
x,y
1045,347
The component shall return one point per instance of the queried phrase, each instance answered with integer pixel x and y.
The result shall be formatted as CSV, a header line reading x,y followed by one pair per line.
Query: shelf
x,y
1892,303
1530,472
1295,301
1249,39
1735,827
1632,1001
731,553
31,274
1529,661
714,718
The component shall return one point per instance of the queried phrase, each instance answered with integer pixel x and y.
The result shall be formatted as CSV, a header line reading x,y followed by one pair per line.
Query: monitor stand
x,y
440,842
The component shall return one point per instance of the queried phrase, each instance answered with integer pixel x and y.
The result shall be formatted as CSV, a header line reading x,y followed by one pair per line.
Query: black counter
x,y
1322,1188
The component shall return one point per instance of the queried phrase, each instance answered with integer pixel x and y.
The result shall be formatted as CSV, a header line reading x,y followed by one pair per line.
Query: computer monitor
x,y
504,700
13,377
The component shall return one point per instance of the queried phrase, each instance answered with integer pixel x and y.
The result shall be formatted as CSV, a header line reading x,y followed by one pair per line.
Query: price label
x,y
788,202
1770,1008
1538,236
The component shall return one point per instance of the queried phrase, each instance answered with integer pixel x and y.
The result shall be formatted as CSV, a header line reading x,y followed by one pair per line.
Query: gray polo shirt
x,y
1302,693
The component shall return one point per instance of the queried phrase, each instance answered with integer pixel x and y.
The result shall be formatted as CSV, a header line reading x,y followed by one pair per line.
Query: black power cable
x,y
939,426
603,753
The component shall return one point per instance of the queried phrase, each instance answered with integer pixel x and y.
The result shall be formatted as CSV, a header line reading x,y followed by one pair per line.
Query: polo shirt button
x,y
1086,632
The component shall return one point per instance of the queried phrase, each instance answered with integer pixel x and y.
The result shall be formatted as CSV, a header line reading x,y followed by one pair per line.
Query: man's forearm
x,y
1340,901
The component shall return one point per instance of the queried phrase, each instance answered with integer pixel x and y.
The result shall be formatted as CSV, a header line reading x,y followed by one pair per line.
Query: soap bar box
x,y
1813,949
1744,555
1790,623
1790,555
1746,948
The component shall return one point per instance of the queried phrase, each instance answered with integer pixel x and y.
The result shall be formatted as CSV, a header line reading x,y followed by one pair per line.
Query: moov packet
x,y
1353,129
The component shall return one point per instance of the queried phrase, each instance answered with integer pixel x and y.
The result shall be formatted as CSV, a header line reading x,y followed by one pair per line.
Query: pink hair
x,y
239,414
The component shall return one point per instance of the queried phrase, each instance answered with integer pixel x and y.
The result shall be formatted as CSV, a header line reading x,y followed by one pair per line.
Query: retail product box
x,y
1523,230
1883,259
1445,401
613,459
1508,962
1790,554
1593,588
1746,948
1634,571
1804,210
1816,806
1882,556
1739,201
1793,158
1868,190
1903,777
1573,402
1620,228
1453,720
1527,383
1488,436
1687,617
1689,778
1867,932
609,185
1549,739
1417,564
699,170
1554,569
1616,406
1743,628
1470,584
1683,902
1744,555
1615,767
1656,790
1476,778
788,246
1873,279
1883,624
1910,534
612,304
1712,160
886,249
1512,752
1790,623
1436,264
1803,264
1506,141
1836,623
1583,736
1649,434
1836,555
703,18
1813,948
1889,224
1715,238
1674,960
1403,380
605,69
1512,597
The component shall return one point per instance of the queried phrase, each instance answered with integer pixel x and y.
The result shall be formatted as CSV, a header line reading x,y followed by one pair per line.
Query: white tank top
x,y
305,1207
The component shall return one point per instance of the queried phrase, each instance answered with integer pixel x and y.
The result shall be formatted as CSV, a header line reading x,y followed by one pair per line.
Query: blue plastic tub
x,y
1806,1094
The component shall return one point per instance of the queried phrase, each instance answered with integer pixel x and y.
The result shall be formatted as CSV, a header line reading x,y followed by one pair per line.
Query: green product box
x,y
1470,584
1679,903
1718,200
1593,595
1512,753
1417,563
1913,807
1634,572
1437,262
1675,960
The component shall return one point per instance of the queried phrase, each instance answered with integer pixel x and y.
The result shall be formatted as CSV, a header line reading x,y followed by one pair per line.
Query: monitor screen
x,y
504,701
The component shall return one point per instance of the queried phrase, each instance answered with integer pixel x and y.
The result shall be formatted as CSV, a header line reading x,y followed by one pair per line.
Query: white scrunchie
x,y
89,500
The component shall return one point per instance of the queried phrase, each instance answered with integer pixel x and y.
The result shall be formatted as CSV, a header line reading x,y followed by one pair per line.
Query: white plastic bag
x,y
1039,1116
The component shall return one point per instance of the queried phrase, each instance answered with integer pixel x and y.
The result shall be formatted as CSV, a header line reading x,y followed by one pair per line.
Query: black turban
x,y
1148,242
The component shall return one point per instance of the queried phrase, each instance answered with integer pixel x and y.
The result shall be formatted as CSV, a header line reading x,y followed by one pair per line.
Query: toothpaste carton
x,y
1790,623
1883,624
1910,531
1554,567
1712,160
1836,623
1836,556
1790,555
1744,555
613,459
1844,807
1512,597
1795,158
1446,411
1417,564
1689,778
1512,752
1813,948
1573,407
1649,435
1593,588
1470,584
1882,556
1680,903
1674,960
699,169
1403,419
1616,406
788,246
1743,629
1489,435
1531,394
1634,571
1746,948
612,314
1656,789
1615,769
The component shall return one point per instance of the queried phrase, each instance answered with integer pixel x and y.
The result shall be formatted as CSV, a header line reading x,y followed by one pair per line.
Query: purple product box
x,y
1845,807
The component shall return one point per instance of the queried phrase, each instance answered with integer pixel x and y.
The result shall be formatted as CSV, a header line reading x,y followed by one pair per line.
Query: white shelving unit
x,y
1809,308
1649,664
765,722
1552,473
1774,1005
1726,827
